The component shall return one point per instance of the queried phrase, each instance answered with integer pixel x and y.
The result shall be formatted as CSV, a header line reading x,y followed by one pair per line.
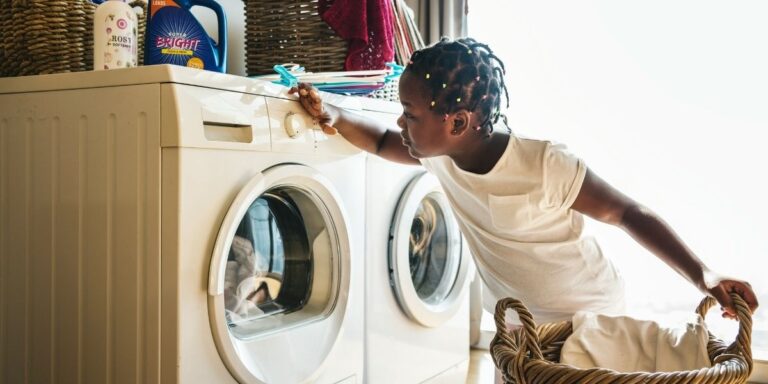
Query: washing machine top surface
x,y
166,73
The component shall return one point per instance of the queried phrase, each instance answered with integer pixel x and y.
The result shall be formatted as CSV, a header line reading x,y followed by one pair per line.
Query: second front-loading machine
x,y
417,272
169,225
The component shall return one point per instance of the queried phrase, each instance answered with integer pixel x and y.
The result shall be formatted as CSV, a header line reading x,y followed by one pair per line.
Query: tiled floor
x,y
481,367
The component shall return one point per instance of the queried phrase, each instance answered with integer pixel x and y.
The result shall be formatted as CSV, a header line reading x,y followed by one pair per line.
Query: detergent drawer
x,y
199,117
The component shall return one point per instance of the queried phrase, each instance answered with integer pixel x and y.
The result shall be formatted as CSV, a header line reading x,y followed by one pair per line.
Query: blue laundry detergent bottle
x,y
174,36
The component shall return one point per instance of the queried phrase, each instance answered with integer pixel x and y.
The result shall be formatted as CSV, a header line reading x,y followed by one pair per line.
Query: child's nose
x,y
401,121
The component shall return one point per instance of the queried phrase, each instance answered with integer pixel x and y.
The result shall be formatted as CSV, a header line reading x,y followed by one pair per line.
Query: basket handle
x,y
743,342
530,338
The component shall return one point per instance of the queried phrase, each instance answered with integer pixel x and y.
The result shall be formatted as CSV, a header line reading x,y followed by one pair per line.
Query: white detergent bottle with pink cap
x,y
115,38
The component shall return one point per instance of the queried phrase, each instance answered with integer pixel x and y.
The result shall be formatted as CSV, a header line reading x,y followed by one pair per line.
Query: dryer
x,y
168,225
416,278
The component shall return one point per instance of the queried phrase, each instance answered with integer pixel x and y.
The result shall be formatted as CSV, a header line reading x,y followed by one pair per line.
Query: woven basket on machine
x,y
290,31
50,36
530,354
388,92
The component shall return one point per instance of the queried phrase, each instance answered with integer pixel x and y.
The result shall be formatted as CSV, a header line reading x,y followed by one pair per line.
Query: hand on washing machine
x,y
310,99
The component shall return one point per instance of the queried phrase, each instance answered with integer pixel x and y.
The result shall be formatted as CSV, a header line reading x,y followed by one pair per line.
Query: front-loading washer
x,y
168,225
416,276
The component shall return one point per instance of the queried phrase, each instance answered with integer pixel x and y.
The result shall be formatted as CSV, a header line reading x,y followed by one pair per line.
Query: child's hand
x,y
313,104
720,288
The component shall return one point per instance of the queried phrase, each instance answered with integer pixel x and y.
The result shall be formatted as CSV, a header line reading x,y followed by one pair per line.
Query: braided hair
x,y
463,74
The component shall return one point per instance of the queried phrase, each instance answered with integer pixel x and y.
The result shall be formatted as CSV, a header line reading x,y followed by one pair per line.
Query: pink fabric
x,y
368,27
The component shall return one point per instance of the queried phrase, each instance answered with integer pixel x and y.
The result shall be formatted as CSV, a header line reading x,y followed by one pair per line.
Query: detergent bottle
x,y
174,36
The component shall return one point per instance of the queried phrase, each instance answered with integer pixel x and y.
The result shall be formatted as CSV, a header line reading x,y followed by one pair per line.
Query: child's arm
x,y
364,133
599,200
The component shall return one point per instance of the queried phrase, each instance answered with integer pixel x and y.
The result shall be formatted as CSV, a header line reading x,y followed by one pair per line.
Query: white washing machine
x,y
168,225
416,280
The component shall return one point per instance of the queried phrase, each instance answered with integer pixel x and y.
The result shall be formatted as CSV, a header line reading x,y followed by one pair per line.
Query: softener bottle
x,y
115,42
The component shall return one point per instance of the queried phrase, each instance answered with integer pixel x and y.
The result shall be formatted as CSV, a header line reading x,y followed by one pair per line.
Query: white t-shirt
x,y
526,241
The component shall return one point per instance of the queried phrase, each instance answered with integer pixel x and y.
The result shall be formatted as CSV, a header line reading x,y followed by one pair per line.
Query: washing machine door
x,y
428,267
279,277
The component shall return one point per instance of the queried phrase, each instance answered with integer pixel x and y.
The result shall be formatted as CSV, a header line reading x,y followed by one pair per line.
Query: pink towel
x,y
367,25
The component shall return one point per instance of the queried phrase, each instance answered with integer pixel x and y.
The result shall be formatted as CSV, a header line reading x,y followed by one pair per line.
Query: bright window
x,y
667,101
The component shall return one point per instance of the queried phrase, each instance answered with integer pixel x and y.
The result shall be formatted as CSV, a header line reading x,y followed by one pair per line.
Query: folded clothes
x,y
625,344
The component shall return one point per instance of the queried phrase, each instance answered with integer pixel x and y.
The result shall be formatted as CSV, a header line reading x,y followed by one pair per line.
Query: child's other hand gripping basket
x,y
531,354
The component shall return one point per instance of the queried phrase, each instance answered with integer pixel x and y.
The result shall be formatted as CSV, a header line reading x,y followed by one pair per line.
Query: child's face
x,y
424,131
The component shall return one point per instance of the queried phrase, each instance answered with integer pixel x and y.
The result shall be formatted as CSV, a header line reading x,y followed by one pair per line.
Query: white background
x,y
668,102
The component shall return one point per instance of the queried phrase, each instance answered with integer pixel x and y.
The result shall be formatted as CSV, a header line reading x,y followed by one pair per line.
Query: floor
x,y
481,367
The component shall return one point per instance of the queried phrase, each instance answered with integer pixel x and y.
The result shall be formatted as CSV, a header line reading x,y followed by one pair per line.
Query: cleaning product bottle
x,y
174,36
115,43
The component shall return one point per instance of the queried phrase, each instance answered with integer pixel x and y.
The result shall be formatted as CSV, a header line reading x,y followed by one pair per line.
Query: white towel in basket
x,y
626,344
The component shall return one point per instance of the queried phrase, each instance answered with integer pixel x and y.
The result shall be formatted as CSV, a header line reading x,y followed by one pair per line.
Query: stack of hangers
x,y
346,82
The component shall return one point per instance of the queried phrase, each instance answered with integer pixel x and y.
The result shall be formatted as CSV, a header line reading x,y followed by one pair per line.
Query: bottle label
x,y
156,5
122,45
176,37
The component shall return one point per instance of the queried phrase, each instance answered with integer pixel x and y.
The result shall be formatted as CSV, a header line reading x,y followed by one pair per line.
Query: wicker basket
x,y
290,31
50,36
390,91
530,355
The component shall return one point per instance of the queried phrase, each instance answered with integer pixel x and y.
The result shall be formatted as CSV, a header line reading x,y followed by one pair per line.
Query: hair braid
x,y
463,74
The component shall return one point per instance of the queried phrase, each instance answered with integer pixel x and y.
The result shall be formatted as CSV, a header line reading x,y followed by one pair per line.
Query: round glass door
x,y
280,263
433,269
272,265
428,267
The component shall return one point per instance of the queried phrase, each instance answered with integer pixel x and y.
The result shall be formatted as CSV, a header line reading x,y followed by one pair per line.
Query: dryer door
x,y
428,267
279,276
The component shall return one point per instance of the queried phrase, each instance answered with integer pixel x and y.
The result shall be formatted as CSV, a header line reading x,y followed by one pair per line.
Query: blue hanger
x,y
397,70
286,78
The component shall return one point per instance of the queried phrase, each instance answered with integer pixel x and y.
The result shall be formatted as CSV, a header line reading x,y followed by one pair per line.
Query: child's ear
x,y
461,121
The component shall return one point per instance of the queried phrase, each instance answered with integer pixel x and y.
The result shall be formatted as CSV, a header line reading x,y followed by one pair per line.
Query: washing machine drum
x,y
279,271
427,260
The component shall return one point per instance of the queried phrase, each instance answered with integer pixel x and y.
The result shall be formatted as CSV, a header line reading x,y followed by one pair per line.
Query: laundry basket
x,y
530,355
51,36
388,92
280,31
